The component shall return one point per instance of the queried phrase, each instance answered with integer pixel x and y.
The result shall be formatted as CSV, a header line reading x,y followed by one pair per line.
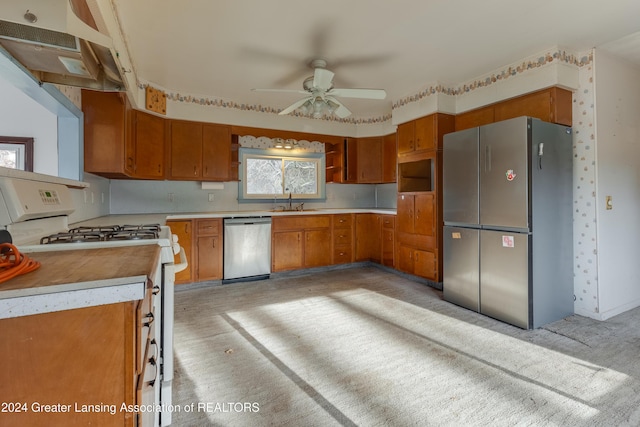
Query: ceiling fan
x,y
321,95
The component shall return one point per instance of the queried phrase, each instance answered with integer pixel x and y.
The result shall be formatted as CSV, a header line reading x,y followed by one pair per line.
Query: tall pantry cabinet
x,y
419,206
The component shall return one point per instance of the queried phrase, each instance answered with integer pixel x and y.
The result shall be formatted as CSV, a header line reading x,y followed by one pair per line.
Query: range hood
x,y
56,46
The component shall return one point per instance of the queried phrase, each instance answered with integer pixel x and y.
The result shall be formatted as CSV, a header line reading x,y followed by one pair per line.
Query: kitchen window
x,y
272,174
16,153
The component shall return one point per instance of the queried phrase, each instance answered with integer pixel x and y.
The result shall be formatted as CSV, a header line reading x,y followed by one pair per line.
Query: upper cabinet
x,y
368,160
199,151
552,105
120,142
149,132
424,134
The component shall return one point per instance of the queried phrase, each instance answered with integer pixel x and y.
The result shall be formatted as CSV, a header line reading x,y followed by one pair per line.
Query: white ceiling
x,y
224,48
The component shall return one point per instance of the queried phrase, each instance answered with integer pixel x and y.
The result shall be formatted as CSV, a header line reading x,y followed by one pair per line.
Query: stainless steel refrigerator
x,y
508,235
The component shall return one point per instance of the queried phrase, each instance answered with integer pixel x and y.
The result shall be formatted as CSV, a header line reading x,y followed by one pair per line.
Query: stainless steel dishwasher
x,y
247,249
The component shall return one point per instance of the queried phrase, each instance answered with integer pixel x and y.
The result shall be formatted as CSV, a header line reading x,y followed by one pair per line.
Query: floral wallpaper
x,y
265,143
585,245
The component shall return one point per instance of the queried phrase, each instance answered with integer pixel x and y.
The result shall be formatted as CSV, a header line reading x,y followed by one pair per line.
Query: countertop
x,y
161,218
79,278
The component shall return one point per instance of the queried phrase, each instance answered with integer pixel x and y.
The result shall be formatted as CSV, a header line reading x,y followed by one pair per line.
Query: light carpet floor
x,y
367,347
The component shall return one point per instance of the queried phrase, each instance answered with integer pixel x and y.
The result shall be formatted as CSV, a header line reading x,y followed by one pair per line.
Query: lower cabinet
x,y
300,241
184,231
342,227
375,238
208,249
388,240
96,355
417,261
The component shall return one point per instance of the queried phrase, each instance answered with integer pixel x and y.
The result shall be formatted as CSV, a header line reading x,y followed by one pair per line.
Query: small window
x,y
16,153
269,174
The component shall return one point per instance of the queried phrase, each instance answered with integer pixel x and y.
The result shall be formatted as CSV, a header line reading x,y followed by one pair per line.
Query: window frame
x,y
27,143
246,153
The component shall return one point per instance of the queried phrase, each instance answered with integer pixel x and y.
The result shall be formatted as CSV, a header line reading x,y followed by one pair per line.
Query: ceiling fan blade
x,y
293,106
281,91
322,78
341,111
359,93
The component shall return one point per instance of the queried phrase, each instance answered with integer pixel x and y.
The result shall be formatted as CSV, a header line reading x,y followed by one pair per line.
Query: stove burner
x,y
132,235
104,233
72,238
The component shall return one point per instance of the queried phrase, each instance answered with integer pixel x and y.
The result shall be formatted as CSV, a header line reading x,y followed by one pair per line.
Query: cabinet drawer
x,y
342,237
342,255
388,221
300,222
342,221
208,227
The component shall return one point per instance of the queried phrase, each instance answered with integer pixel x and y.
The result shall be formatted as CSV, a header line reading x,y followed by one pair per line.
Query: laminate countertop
x,y
80,278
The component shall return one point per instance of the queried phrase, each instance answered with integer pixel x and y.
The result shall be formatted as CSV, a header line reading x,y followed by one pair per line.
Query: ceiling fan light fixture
x,y
331,106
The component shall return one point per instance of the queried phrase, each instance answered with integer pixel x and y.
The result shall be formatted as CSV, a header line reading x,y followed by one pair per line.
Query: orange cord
x,y
13,263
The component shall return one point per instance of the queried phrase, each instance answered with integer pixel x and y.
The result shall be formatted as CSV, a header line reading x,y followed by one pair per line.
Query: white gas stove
x,y
36,215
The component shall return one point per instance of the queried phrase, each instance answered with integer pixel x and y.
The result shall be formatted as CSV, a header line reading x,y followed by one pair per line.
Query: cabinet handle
x,y
206,170
186,228
341,221
214,242
195,170
156,290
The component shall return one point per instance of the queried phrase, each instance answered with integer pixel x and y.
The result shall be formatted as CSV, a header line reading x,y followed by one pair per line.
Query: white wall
x,y
20,115
617,112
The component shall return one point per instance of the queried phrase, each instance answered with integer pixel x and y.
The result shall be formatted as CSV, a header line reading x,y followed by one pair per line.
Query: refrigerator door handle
x,y
487,158
540,153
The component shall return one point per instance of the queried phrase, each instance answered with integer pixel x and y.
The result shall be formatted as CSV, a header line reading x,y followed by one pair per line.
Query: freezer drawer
x,y
461,275
504,277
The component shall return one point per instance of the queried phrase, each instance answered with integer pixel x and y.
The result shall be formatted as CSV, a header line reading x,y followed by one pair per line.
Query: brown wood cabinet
x,y
334,159
388,240
86,356
351,160
120,142
343,229
149,131
368,235
199,151
389,162
369,160
184,231
208,249
108,143
552,105
417,233
424,134
300,241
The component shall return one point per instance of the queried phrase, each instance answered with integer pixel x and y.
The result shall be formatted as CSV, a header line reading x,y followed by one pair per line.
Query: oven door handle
x,y
183,262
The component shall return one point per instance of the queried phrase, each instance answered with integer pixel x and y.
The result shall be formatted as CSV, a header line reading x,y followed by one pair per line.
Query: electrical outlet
x,y
84,195
211,197
92,198
171,197
102,198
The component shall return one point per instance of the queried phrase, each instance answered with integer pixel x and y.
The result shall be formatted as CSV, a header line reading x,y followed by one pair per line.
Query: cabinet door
x,y
425,133
389,158
287,250
150,135
424,264
406,134
184,231
424,220
104,131
216,152
364,236
209,258
351,161
186,150
369,160
317,248
388,247
405,259
405,213
475,118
